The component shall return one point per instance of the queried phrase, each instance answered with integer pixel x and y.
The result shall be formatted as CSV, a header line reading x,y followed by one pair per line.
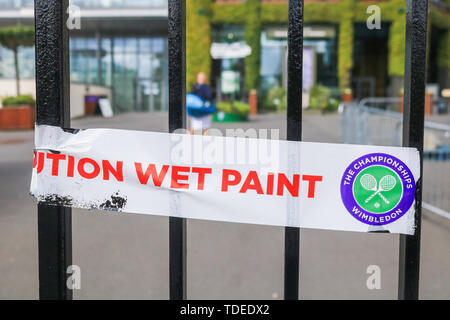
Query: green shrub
x,y
333,105
276,99
24,99
235,107
241,107
319,96
224,106
323,98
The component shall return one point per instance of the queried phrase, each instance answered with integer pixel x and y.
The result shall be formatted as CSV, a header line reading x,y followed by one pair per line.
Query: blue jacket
x,y
203,91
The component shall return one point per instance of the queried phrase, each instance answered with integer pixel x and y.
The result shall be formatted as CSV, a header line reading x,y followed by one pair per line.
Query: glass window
x,y
130,45
25,61
91,43
135,67
84,64
157,65
106,62
326,60
16,4
228,33
77,68
119,44
145,70
7,63
8,4
120,3
145,44
271,58
119,62
106,70
105,44
159,45
92,68
131,64
27,3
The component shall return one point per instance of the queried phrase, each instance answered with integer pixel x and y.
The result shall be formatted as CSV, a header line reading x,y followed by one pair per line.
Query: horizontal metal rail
x,y
436,210
364,103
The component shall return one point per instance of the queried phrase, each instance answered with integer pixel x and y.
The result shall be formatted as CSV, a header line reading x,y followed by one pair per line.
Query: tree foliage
x,y
12,37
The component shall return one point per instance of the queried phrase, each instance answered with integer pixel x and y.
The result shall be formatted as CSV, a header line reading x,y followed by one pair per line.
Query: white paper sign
x,y
229,81
233,50
105,107
245,180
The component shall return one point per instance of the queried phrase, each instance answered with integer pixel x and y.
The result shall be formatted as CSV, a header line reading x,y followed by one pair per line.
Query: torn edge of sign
x,y
410,216
116,202
58,140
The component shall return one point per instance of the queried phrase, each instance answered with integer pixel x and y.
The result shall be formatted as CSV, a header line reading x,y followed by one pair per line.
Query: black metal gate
x,y
53,105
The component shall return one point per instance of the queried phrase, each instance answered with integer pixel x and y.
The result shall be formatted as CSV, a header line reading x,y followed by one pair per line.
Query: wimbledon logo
x,y
377,189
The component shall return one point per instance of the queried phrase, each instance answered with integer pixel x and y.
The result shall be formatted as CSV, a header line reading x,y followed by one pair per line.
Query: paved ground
x,y
126,256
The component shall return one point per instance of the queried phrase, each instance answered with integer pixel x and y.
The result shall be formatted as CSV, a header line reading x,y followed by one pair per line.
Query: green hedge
x,y
396,45
438,18
345,45
24,99
389,10
223,13
441,20
443,58
253,39
275,99
198,39
234,107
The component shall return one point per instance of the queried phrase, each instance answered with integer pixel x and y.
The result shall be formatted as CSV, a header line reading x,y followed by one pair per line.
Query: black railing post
x,y
413,129
294,132
177,120
52,108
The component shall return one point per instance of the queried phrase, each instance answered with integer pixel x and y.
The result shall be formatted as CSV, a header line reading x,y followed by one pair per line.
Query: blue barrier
x,y
442,153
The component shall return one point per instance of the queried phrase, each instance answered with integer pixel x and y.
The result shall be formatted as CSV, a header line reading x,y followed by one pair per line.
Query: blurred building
x,y
340,51
121,48
119,51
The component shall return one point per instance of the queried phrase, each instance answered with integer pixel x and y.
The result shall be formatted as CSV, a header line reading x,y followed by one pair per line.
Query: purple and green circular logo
x,y
377,188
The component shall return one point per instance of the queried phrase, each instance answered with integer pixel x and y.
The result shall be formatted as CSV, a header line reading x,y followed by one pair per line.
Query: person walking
x,y
203,90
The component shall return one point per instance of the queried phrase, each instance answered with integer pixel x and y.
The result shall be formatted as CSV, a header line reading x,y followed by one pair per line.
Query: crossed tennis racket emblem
x,y
387,183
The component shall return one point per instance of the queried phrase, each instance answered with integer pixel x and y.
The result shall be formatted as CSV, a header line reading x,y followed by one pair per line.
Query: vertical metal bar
x,y
413,129
52,101
177,120
294,132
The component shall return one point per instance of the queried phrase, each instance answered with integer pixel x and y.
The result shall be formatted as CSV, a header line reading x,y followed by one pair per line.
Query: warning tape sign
x,y
234,179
